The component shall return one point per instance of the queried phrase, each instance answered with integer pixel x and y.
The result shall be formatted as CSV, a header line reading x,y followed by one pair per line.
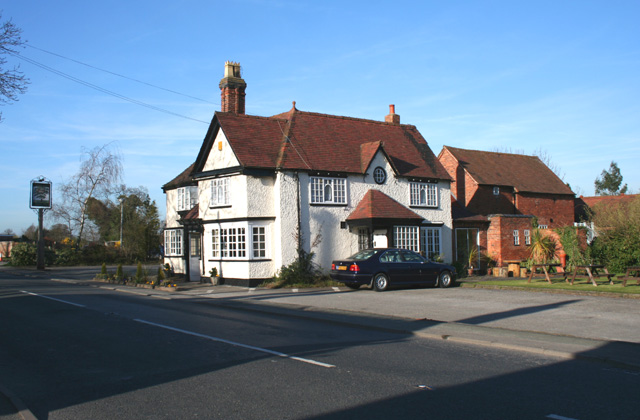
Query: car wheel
x,y
380,282
352,286
445,279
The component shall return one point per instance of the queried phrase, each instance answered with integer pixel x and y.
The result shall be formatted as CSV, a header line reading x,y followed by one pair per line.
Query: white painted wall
x,y
220,157
172,208
250,197
277,197
325,220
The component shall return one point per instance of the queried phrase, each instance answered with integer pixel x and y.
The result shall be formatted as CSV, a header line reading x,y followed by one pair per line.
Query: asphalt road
x,y
74,351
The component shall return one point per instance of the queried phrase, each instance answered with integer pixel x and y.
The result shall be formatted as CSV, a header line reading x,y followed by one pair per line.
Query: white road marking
x,y
163,297
246,346
557,417
57,300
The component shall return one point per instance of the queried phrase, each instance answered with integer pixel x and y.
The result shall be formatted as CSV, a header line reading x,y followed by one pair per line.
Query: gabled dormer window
x,y
423,194
379,175
219,192
328,190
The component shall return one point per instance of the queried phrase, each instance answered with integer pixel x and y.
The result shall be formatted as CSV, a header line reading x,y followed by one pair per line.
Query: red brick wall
x,y
456,172
551,210
232,99
500,239
485,202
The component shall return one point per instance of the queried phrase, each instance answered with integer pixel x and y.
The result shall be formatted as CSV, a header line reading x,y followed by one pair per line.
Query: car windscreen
x,y
362,255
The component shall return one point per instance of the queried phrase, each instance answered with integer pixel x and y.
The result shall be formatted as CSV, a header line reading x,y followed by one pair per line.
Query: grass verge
x,y
581,284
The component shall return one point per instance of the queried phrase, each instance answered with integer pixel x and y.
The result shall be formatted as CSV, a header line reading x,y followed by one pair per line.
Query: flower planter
x,y
500,272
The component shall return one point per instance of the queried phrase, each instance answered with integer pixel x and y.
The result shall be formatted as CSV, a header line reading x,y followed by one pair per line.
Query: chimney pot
x,y
392,118
232,88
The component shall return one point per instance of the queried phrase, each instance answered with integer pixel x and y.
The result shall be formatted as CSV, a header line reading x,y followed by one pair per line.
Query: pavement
x,y
566,325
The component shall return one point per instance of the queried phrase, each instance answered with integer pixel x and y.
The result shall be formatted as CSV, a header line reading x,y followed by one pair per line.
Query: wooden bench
x,y
545,272
593,273
629,276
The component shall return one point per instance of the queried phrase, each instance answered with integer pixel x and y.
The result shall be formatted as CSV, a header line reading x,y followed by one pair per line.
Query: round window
x,y
379,175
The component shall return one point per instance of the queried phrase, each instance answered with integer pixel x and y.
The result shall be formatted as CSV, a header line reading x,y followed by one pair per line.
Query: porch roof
x,y
377,205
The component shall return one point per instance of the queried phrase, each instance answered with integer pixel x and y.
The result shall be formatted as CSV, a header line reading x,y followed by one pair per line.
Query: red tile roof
x,y
377,205
319,142
584,205
522,172
609,200
193,213
181,180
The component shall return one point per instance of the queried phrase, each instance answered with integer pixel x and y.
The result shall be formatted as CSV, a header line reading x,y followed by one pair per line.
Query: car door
x,y
413,266
430,271
392,262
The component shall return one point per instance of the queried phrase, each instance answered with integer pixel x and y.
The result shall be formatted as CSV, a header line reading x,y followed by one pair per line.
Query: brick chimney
x,y
392,118
232,88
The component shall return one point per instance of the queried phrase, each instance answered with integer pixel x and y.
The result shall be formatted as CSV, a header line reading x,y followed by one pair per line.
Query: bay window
x,y
239,241
173,242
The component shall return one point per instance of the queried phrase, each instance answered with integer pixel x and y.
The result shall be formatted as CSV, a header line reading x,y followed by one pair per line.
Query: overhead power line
x,y
120,75
101,89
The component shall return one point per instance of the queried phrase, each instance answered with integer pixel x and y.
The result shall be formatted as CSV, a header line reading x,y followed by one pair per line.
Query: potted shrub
x,y
215,278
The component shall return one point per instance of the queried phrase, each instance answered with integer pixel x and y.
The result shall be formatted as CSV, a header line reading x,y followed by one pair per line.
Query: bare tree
x,y
12,81
545,157
100,172
541,153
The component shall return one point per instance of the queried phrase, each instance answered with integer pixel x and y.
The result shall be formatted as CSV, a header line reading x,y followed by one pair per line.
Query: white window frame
x,y
431,241
173,242
259,242
187,198
328,190
233,242
219,192
543,227
364,239
527,237
496,190
422,194
238,241
407,237
516,237
215,243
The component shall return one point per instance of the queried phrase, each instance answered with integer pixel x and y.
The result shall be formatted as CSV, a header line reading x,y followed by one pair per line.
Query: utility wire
x,y
294,146
120,75
101,89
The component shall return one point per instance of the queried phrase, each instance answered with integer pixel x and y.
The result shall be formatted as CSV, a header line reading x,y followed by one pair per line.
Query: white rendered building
x,y
263,186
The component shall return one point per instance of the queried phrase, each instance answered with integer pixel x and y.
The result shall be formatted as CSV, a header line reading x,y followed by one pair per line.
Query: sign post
x,y
41,201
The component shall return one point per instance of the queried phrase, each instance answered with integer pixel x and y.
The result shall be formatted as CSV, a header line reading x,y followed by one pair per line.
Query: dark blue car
x,y
382,268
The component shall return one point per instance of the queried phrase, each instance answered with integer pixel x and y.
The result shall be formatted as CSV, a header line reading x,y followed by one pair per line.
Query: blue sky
x,y
562,77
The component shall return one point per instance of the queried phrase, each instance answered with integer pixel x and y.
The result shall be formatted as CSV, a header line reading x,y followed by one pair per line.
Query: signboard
x,y
40,194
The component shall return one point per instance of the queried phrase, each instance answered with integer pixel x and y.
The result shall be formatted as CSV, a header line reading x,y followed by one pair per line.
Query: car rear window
x,y
363,255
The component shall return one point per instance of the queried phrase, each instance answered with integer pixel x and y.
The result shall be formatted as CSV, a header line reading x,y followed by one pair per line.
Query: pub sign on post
x,y
40,194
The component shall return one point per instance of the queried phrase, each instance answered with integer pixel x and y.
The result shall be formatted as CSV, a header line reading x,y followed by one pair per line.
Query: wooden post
x,y
40,256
